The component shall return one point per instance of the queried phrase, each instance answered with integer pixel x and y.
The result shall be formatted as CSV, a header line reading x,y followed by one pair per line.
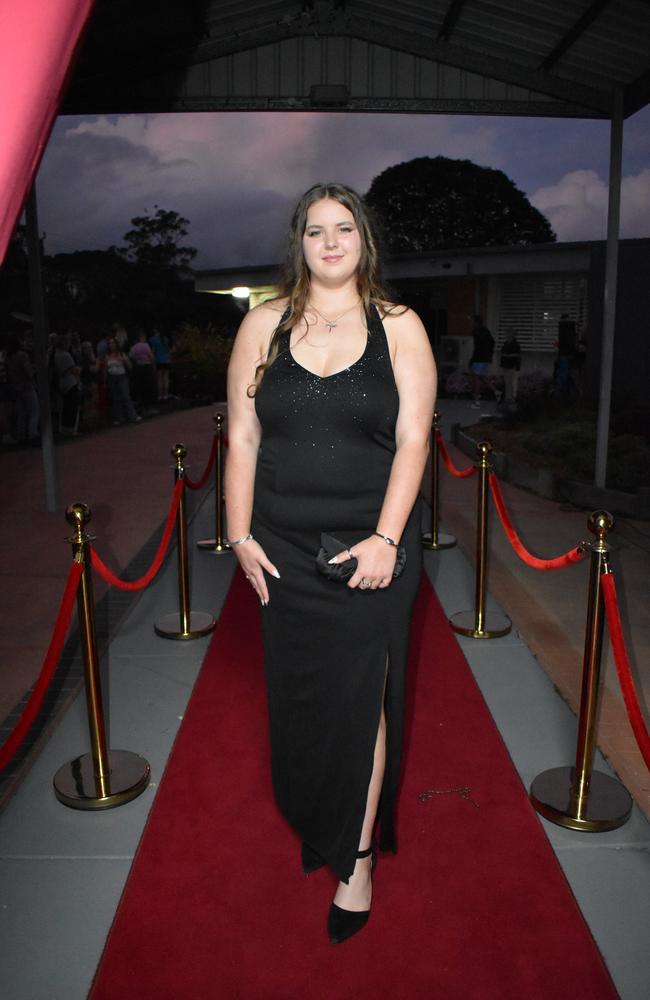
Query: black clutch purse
x,y
343,571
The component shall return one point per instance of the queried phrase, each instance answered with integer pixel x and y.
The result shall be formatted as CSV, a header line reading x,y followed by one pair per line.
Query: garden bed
x,y
551,452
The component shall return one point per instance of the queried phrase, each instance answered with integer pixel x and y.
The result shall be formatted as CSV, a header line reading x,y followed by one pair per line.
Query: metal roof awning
x,y
522,57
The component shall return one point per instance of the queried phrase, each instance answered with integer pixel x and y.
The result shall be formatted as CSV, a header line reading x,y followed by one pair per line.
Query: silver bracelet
x,y
389,541
239,541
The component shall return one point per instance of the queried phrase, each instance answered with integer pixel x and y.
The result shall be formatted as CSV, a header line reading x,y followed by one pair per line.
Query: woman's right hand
x,y
253,560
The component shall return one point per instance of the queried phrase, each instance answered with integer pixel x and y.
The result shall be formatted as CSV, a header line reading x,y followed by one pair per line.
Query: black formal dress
x,y
324,462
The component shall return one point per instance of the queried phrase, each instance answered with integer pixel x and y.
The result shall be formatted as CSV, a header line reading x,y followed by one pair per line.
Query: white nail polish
x,y
276,574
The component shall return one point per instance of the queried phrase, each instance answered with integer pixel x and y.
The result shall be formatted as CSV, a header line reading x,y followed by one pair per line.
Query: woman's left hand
x,y
375,563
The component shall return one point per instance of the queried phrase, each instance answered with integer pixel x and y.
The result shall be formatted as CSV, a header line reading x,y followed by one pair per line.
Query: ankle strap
x,y
365,854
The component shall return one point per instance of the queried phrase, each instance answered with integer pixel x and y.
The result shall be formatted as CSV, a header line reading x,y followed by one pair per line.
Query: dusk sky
x,y
237,176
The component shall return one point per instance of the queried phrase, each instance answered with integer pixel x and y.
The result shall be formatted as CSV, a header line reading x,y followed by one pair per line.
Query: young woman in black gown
x,y
331,392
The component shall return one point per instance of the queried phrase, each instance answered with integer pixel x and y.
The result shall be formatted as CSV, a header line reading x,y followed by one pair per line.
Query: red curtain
x,y
38,39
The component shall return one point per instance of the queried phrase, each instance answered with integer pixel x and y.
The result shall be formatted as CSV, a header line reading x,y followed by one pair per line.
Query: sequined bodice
x,y
327,440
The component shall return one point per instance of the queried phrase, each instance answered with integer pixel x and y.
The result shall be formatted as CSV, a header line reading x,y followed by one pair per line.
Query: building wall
x,y
631,371
465,297
447,287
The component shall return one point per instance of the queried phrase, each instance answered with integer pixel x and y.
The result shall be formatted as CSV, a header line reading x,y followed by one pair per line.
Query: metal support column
x,y
609,298
41,345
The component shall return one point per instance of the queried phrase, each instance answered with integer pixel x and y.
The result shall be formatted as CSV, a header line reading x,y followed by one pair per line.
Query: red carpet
x,y
474,905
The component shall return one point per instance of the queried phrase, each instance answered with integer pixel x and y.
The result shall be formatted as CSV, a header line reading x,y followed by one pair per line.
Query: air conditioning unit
x,y
454,352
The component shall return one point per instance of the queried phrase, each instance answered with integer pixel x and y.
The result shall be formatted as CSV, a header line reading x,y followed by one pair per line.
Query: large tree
x,y
438,203
156,240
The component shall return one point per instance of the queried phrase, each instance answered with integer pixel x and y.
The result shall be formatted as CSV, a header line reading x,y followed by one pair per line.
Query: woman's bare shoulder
x,y
267,312
263,318
401,321
257,327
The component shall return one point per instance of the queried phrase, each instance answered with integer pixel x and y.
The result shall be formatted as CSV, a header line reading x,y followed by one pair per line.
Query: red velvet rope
x,y
31,709
459,473
208,469
574,555
146,579
623,666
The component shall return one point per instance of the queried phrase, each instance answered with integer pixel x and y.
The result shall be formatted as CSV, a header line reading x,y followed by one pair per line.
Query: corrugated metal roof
x,y
555,57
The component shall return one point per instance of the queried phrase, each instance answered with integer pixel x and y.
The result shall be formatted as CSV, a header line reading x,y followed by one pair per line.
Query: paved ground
x,y
62,871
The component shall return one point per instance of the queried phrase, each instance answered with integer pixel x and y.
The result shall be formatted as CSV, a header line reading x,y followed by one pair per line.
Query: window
x,y
532,305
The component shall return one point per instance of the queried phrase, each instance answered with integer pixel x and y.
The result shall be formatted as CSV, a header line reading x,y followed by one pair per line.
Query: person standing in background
x,y
510,359
115,366
23,389
159,343
89,376
577,363
67,381
144,373
481,360
566,349
101,346
121,337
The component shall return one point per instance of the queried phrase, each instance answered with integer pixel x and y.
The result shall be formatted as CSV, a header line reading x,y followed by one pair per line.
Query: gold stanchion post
x,y
436,539
579,797
184,624
478,624
218,545
102,778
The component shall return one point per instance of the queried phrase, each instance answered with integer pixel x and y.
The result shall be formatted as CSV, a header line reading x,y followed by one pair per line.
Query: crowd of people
x,y
119,378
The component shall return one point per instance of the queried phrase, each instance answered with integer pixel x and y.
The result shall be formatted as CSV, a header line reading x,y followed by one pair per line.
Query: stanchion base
x,y
75,784
494,625
443,541
170,626
210,545
608,804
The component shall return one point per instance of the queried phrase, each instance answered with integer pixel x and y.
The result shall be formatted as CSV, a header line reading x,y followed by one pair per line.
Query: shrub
x,y
628,462
207,347
562,437
201,358
532,385
458,383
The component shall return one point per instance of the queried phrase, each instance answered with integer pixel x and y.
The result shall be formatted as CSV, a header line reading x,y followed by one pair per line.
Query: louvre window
x,y
532,305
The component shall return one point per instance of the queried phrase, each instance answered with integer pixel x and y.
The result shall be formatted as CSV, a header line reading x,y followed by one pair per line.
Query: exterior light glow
x,y
241,292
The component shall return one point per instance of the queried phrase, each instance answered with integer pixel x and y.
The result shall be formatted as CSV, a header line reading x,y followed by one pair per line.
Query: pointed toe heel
x,y
342,924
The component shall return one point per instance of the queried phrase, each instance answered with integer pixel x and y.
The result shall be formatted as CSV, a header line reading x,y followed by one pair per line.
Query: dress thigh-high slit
x,y
332,653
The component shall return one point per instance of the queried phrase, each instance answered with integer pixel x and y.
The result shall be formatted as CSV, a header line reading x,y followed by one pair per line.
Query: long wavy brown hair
x,y
295,281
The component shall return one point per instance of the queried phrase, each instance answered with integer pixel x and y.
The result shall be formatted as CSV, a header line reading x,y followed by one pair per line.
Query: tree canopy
x,y
433,203
156,240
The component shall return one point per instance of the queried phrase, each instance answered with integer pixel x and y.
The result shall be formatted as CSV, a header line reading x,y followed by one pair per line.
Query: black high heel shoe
x,y
311,861
342,924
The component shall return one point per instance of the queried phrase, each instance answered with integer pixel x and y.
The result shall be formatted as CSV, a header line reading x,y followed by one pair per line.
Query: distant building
x,y
523,288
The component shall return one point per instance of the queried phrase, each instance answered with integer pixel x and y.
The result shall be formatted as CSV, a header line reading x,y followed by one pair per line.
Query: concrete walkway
x,y
62,871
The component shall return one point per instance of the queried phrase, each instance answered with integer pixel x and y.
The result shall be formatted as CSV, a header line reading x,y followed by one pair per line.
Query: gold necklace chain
x,y
331,323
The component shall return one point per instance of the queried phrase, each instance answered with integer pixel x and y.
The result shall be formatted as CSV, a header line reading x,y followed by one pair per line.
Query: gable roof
x,y
524,57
